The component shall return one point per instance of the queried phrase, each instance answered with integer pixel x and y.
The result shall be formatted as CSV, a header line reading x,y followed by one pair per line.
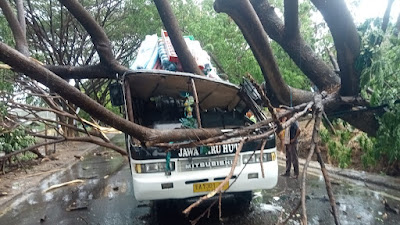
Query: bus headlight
x,y
153,167
270,156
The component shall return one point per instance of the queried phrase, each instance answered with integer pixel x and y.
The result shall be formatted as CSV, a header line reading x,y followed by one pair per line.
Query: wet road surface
x,y
106,197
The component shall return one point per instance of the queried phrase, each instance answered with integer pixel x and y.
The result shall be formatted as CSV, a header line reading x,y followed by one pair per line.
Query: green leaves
x,y
339,144
380,64
15,140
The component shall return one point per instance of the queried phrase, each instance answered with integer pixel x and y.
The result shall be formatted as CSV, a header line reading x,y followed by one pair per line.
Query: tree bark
x,y
347,42
299,51
82,72
291,15
172,26
99,37
49,79
386,16
397,26
18,32
245,17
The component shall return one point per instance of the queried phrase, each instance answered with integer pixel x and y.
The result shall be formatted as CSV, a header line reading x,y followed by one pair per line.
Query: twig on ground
x,y
63,184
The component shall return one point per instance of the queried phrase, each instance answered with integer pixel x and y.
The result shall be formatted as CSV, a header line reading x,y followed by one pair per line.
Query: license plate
x,y
206,187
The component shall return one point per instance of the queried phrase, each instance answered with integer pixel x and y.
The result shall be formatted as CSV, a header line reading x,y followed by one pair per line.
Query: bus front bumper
x,y
180,185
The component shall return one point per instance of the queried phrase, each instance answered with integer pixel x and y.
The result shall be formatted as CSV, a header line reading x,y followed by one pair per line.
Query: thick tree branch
x,y
21,16
397,26
245,17
386,16
291,14
17,30
49,79
172,26
347,42
82,72
99,37
299,51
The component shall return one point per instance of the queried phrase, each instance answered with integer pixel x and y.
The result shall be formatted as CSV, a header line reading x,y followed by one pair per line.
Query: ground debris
x,y
63,184
77,206
390,208
49,158
3,193
79,157
89,177
43,219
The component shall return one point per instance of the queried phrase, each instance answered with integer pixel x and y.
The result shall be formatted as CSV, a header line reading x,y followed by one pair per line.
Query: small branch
x,y
328,185
292,213
261,157
223,183
196,102
20,163
32,147
220,206
332,129
319,109
314,143
266,101
332,58
194,222
100,143
63,184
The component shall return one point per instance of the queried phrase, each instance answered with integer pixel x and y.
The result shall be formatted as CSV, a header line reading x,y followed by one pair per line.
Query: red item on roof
x,y
173,57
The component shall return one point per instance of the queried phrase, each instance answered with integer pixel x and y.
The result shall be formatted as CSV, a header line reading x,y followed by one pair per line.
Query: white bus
x,y
153,98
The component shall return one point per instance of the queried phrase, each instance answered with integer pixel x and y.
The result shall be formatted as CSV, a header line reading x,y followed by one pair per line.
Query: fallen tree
x,y
257,20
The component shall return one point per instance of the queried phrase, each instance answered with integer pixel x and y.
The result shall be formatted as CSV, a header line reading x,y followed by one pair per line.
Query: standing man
x,y
292,155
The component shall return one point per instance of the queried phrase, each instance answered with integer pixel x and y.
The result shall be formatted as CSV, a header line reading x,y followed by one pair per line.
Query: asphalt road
x,y
106,197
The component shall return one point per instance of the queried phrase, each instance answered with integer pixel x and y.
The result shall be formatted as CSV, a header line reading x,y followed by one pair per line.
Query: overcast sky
x,y
371,9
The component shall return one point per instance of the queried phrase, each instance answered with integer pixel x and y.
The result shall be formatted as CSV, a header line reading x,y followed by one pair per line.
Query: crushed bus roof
x,y
212,93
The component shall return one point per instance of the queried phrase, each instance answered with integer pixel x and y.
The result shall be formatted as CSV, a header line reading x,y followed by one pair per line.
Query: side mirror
x,y
116,94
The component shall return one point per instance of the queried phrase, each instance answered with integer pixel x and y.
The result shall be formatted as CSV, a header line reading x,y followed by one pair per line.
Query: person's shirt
x,y
293,130
290,132
287,136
